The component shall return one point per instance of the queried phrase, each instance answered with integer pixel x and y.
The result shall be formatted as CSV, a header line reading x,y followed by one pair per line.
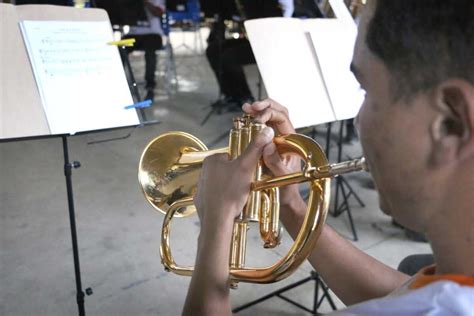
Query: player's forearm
x,y
208,292
352,274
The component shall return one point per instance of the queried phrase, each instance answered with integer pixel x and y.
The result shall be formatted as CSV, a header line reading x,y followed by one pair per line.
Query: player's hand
x,y
276,116
224,185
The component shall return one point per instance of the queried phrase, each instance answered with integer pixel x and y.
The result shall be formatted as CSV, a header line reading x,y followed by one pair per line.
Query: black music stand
x,y
318,300
68,168
219,14
32,111
127,12
344,188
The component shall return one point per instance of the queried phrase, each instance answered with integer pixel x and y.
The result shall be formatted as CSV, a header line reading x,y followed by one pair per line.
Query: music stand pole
x,y
131,81
68,166
219,23
317,300
341,186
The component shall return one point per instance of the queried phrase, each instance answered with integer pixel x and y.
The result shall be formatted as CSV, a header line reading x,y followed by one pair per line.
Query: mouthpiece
x,y
340,168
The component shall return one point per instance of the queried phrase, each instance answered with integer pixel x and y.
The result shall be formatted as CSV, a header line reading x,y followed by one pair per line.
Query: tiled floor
x,y
119,232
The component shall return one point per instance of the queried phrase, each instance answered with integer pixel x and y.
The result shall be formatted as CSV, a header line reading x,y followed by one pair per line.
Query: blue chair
x,y
192,17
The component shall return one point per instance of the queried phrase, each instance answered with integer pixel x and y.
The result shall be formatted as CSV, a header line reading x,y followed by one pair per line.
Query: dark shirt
x,y
55,2
255,9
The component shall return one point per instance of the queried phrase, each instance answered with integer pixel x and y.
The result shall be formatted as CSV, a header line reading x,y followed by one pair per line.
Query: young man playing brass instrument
x,y
415,60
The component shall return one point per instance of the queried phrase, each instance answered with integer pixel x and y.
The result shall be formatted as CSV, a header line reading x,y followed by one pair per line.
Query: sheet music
x,y
334,43
289,68
80,78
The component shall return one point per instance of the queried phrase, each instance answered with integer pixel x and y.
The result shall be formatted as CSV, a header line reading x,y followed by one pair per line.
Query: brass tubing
x,y
252,208
288,179
269,218
165,250
190,157
168,174
244,138
343,167
327,171
304,243
239,245
234,144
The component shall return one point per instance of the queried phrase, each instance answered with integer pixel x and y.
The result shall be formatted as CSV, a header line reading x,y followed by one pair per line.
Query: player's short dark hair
x,y
423,42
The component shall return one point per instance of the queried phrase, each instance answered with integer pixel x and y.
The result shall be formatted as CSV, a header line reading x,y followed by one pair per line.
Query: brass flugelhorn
x,y
169,170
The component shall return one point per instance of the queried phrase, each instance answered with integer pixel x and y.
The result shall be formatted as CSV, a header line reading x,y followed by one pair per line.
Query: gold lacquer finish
x,y
169,171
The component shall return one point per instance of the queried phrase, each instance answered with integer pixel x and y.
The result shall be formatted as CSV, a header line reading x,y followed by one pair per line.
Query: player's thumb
x,y
253,152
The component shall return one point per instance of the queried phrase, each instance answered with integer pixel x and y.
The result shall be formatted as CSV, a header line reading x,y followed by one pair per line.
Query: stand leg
x,y
328,145
220,36
328,139
259,85
316,302
68,166
352,192
341,186
131,81
278,293
208,116
339,158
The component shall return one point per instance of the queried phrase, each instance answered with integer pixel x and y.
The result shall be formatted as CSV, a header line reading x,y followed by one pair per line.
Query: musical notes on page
x,y
80,78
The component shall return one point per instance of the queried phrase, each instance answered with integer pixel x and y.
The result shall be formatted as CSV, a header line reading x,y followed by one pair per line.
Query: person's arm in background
x,y
287,7
352,274
218,201
156,7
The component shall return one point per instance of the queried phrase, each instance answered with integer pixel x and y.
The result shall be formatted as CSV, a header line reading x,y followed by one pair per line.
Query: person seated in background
x,y
149,39
228,56
414,61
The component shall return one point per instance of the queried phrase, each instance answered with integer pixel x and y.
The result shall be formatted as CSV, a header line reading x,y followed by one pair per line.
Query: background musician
x,y
149,39
414,60
228,56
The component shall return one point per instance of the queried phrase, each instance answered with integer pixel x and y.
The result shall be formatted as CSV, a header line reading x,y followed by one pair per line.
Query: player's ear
x,y
452,131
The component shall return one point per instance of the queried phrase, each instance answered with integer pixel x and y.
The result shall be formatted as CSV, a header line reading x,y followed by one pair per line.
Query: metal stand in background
x,y
343,187
68,166
259,85
317,301
131,80
220,37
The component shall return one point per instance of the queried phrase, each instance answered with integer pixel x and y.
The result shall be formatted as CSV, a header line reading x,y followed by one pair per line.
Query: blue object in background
x,y
192,14
139,105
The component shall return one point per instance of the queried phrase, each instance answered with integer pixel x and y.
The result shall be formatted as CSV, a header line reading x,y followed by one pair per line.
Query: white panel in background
x,y
80,78
290,70
341,11
334,43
